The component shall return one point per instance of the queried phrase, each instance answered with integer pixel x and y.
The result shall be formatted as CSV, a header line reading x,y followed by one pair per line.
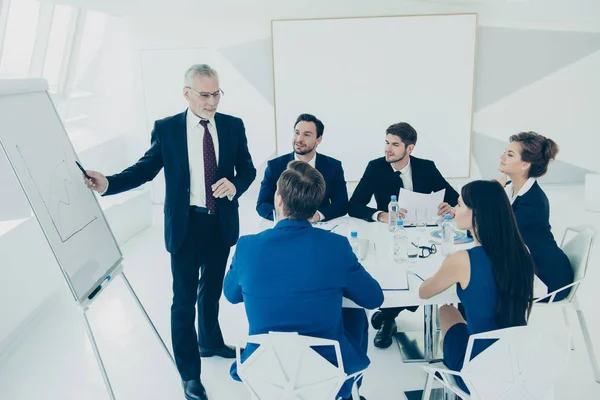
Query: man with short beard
x,y
383,178
308,133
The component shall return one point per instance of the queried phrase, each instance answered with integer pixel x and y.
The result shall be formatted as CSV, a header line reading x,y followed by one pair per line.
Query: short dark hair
x,y
302,189
313,119
404,131
537,150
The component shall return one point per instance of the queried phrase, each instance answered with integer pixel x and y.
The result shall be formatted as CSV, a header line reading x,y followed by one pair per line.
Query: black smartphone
x,y
83,170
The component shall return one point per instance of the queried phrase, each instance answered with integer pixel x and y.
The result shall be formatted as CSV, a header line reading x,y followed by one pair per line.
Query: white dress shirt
x,y
509,189
195,145
407,183
406,176
312,163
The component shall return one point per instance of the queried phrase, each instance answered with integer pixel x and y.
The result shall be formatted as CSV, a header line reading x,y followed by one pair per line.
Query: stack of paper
x,y
390,276
410,201
328,225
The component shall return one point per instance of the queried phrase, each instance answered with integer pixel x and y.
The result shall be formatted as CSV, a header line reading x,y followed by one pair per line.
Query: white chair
x,y
285,367
578,250
524,363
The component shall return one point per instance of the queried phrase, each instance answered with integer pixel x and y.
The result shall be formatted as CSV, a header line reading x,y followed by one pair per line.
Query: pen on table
x,y
417,275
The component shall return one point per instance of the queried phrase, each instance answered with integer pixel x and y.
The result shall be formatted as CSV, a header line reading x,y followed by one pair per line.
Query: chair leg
x,y
588,345
428,387
566,316
449,394
355,395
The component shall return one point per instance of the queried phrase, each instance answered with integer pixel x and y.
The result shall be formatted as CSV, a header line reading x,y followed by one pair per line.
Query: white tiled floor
x,y
55,361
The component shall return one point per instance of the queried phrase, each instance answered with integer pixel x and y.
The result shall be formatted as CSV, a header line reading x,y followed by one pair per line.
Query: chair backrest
x,y
286,367
578,250
523,363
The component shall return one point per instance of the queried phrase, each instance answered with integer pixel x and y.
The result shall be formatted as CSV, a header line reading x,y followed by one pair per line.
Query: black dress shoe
x,y
376,319
223,351
383,338
194,390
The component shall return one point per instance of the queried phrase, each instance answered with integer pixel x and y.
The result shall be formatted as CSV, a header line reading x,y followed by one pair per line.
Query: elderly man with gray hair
x,y
207,168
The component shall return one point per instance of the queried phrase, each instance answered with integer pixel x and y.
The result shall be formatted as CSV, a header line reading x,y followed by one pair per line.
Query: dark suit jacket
x,y
286,292
532,212
379,180
169,150
335,202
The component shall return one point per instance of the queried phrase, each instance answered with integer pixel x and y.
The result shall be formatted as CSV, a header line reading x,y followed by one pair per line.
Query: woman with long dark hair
x,y
527,158
494,279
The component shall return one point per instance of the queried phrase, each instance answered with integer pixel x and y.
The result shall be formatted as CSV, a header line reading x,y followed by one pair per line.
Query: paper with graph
x,y
60,189
43,159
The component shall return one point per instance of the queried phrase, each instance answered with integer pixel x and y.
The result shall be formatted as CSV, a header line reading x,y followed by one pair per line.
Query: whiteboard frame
x,y
374,17
83,301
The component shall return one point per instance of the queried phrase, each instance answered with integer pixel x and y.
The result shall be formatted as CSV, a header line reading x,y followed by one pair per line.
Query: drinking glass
x,y
421,222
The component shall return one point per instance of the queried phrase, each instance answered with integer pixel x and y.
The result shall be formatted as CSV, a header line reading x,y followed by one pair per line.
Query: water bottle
x,y
393,213
400,245
355,243
447,235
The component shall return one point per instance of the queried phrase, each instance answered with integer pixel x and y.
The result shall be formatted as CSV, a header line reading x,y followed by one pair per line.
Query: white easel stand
x,y
83,309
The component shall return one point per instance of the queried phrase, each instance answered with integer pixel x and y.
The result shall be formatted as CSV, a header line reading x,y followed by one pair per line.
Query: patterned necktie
x,y
210,167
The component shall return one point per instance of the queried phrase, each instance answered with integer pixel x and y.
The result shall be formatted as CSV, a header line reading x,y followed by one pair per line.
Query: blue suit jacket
x,y
169,150
335,202
292,279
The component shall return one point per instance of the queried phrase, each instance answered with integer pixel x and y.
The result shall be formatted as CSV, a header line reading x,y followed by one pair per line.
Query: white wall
x,y
536,66
29,275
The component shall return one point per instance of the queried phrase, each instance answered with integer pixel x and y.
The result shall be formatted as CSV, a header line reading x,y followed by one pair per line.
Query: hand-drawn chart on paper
x,y
63,195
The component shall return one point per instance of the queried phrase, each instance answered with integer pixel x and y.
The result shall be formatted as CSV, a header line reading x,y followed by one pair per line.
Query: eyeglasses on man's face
x,y
206,96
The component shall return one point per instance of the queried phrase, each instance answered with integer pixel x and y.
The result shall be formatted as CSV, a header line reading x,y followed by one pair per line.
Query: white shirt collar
x,y
404,171
193,119
311,162
509,189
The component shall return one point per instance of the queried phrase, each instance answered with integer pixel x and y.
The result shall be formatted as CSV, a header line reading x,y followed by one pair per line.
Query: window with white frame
x,y
76,52
57,52
19,38
92,39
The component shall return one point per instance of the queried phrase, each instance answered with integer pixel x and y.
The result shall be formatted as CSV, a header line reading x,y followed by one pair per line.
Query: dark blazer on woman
x,y
532,212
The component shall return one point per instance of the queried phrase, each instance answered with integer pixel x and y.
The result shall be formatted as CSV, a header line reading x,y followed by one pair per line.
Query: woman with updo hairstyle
x,y
527,158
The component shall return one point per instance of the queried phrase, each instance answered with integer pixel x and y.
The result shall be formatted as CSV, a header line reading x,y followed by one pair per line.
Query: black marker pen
x,y
83,170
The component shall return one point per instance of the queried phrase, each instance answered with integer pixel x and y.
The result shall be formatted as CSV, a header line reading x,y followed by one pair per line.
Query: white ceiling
x,y
586,12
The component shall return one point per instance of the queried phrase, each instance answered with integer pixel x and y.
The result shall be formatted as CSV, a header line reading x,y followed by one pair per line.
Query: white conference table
x,y
421,346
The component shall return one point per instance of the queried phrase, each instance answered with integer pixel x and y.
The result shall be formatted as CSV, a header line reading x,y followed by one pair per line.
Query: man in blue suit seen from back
x,y
308,134
292,278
